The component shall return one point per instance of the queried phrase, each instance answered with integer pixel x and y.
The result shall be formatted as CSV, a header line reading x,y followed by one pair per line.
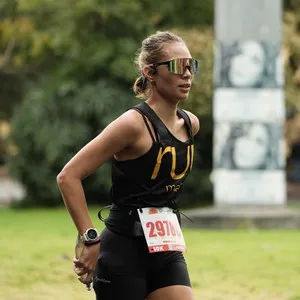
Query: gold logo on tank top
x,y
160,155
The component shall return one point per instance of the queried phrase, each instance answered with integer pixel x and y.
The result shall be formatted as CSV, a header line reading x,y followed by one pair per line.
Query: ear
x,y
149,72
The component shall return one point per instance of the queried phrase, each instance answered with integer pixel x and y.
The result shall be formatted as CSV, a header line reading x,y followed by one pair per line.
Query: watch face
x,y
92,234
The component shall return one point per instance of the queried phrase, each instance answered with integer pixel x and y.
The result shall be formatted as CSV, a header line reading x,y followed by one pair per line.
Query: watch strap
x,y
93,242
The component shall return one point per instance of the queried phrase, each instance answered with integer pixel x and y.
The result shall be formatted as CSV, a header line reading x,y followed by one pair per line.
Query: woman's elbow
x,y
67,177
62,178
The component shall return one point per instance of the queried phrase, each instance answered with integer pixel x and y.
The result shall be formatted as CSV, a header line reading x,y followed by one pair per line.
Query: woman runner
x,y
139,253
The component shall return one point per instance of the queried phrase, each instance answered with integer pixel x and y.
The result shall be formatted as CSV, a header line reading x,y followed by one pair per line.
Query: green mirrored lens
x,y
179,65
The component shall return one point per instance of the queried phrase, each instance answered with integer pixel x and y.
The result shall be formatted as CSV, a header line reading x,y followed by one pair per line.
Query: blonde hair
x,y
151,52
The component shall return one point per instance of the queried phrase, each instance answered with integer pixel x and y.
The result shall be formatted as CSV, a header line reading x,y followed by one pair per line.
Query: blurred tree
x,y
74,60
291,4
10,85
291,56
78,60
58,127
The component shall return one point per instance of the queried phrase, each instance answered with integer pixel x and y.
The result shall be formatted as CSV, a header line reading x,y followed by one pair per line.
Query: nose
x,y
187,73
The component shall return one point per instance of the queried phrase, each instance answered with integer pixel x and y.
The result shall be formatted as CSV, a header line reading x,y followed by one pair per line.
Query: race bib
x,y
161,229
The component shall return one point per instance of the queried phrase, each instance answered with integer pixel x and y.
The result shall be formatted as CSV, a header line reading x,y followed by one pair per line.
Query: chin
x,y
183,97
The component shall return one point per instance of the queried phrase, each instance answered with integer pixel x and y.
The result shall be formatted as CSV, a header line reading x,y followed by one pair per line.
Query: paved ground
x,y
242,217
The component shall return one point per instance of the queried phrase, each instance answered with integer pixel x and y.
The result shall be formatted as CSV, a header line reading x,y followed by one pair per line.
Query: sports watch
x,y
90,237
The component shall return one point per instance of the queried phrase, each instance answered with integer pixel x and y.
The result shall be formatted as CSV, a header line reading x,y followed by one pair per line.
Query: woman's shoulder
x,y
130,120
194,121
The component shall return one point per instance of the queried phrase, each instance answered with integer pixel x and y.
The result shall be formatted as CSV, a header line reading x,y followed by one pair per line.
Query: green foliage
x,y
49,129
75,60
291,53
91,37
11,93
291,4
80,55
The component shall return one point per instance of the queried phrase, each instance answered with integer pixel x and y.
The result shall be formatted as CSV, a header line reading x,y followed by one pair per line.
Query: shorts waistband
x,y
125,220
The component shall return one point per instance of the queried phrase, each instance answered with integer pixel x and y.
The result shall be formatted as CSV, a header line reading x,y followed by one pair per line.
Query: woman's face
x,y
246,68
170,86
250,151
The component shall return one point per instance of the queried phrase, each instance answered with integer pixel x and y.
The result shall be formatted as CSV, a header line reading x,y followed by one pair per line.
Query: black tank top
x,y
156,178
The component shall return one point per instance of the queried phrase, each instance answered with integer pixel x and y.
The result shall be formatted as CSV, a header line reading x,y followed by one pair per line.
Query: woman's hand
x,y
85,264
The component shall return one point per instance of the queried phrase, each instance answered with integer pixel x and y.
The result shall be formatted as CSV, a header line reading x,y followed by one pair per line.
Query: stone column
x,y
248,104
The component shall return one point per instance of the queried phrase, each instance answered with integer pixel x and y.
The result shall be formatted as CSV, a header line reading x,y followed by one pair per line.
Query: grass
x,y
37,250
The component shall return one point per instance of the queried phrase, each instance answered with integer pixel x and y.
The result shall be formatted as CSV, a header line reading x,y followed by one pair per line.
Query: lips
x,y
186,85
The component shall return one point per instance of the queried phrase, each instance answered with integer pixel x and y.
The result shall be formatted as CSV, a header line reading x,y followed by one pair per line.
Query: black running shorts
x,y
127,271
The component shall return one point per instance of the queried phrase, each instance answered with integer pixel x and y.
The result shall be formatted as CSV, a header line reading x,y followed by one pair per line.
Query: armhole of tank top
x,y
187,120
146,120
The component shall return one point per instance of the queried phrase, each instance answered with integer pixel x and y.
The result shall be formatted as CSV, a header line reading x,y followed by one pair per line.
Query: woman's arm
x,y
121,133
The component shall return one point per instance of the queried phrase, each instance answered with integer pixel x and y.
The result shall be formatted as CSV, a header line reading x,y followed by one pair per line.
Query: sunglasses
x,y
179,65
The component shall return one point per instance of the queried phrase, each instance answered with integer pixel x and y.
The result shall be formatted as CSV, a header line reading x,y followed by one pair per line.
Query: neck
x,y
166,110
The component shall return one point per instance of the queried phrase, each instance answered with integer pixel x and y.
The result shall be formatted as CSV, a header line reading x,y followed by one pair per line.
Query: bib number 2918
x,y
161,229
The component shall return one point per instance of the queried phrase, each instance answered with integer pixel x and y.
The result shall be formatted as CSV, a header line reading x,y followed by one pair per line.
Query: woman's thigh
x,y
119,287
174,292
120,271
167,269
